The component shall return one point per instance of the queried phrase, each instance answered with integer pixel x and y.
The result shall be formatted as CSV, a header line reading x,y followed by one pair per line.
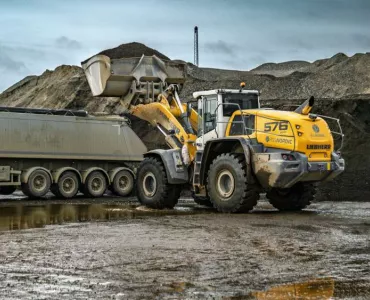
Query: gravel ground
x,y
115,249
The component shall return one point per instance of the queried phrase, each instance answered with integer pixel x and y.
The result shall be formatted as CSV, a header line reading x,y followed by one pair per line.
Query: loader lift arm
x,y
171,119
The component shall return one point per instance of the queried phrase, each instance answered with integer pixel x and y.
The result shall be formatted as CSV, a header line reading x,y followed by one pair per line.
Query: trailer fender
x,y
176,170
86,173
57,173
26,173
113,172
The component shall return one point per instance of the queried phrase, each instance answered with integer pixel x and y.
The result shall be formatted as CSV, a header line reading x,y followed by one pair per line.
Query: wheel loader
x,y
222,145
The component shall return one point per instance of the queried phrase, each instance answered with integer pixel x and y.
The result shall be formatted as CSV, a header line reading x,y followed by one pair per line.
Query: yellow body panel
x,y
291,131
164,114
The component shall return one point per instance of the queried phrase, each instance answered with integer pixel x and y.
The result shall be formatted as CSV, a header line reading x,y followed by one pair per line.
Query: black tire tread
x,y
7,190
118,193
55,187
85,188
169,194
300,196
26,187
250,194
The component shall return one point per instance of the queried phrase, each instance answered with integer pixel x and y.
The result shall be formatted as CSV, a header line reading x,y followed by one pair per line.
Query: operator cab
x,y
215,108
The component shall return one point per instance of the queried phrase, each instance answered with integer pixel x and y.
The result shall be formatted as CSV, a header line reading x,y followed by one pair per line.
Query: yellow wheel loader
x,y
228,150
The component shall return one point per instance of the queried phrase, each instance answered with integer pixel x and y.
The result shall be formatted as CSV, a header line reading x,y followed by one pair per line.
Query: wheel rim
x,y
97,184
123,182
149,184
68,185
39,183
225,184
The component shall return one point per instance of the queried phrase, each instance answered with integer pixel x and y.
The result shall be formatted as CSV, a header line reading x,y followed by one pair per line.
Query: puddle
x,y
316,289
18,216
310,290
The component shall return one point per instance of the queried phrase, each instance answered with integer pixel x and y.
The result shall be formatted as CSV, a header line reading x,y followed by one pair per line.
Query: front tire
x,y
296,198
227,184
153,189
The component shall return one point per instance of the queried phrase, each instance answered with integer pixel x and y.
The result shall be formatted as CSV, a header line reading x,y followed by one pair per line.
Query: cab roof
x,y
223,91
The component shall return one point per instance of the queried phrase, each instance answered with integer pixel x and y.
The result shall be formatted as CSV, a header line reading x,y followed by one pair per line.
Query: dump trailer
x,y
66,151
228,151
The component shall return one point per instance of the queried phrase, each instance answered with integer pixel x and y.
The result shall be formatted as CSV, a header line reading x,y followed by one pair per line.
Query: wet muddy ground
x,y
114,249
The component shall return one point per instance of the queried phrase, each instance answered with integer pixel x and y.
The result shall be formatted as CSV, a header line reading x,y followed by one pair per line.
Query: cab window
x,y
238,128
208,122
236,101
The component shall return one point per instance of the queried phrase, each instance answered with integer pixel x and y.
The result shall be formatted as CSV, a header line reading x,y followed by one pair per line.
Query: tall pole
x,y
196,49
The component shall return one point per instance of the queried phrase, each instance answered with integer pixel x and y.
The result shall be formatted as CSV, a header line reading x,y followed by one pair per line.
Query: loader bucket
x,y
114,77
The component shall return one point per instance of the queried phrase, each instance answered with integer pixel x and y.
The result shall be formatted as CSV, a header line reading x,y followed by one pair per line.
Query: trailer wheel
x,y
67,185
7,190
227,184
295,198
123,183
204,201
38,184
95,185
153,189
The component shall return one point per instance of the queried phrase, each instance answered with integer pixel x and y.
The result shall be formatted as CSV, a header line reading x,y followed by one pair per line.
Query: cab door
x,y
207,120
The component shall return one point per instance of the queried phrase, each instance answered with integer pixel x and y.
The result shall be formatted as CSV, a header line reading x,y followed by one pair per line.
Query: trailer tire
x,y
153,189
37,185
296,198
95,185
123,183
7,190
227,184
67,185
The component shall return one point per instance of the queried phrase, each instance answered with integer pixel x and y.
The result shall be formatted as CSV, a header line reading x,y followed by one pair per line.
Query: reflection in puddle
x,y
19,216
311,290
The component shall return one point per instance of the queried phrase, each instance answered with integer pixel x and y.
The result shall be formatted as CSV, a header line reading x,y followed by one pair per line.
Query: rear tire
x,y
7,190
95,185
227,184
153,189
295,198
37,185
67,185
123,183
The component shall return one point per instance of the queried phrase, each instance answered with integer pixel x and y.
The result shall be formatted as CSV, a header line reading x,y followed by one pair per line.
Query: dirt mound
x,y
281,69
131,50
343,84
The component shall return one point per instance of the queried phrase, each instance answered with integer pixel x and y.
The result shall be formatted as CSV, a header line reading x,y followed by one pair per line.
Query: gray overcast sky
x,y
236,34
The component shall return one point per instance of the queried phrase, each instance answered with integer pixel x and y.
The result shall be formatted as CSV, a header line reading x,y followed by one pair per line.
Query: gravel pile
x,y
131,50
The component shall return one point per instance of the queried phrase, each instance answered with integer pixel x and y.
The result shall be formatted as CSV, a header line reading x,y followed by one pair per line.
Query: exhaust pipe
x,y
306,106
